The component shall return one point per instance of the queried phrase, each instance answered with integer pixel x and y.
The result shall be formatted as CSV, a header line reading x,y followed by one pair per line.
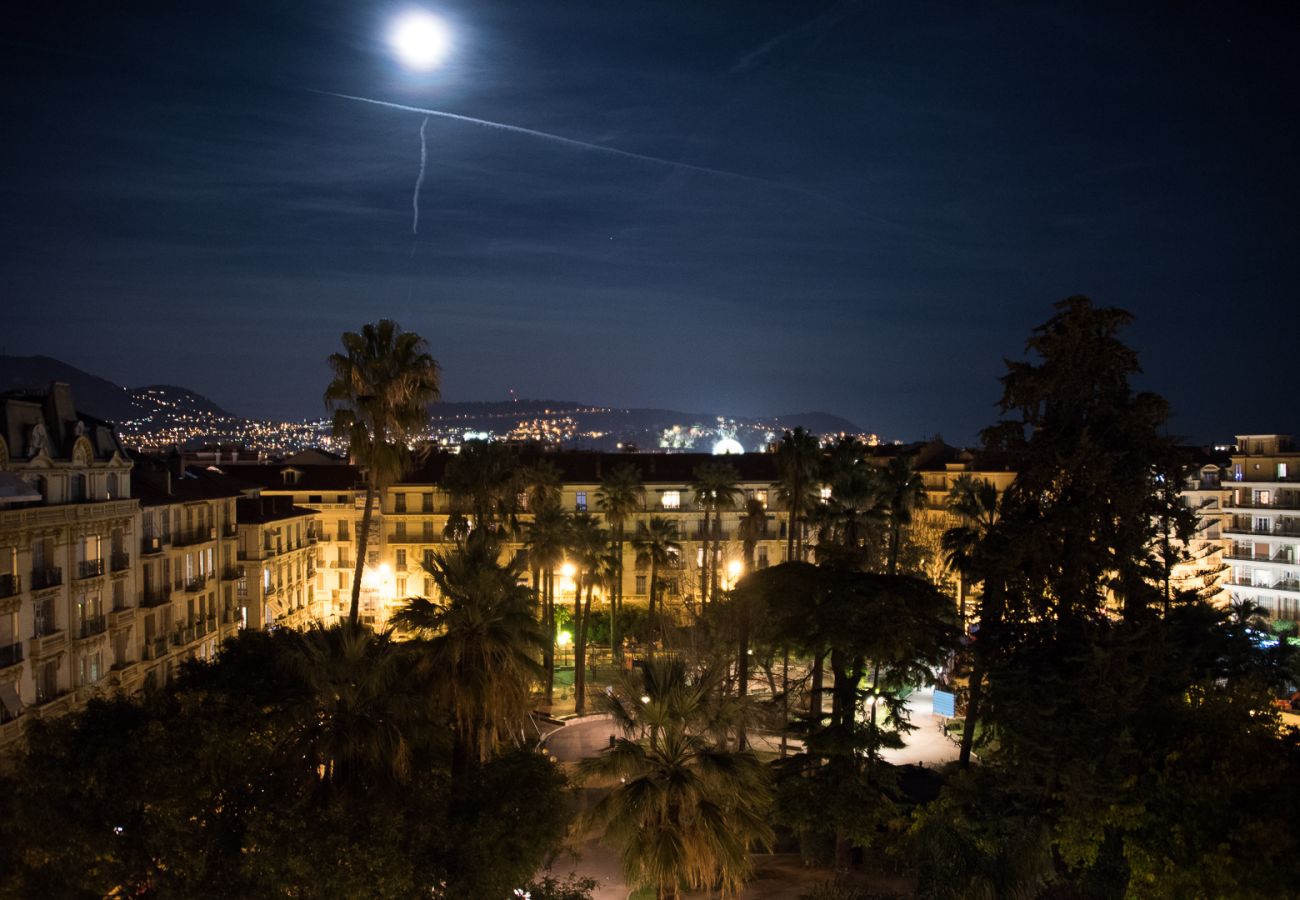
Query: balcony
x,y
90,568
11,655
192,536
232,573
196,584
151,597
230,530
119,561
183,635
154,648
91,626
46,578
1284,528
1287,502
10,584
150,544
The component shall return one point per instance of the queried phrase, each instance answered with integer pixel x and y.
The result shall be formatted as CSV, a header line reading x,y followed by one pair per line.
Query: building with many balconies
x,y
188,568
68,558
1264,523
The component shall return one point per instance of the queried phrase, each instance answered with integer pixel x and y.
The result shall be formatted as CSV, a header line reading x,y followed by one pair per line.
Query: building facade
x,y
68,559
1263,523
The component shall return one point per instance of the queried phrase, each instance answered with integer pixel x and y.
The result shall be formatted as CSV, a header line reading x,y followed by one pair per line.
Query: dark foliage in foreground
x,y
298,765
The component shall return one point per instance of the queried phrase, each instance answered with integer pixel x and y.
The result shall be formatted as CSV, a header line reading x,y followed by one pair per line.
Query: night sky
x,y
922,182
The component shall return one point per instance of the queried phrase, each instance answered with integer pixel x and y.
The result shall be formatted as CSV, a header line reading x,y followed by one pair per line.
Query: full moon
x,y
420,40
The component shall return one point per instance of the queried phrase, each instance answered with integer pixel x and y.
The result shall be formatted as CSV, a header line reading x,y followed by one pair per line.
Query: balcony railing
x,y
155,648
46,578
91,626
1274,529
10,584
196,583
155,596
119,561
183,635
229,530
232,573
1287,502
89,568
11,655
194,536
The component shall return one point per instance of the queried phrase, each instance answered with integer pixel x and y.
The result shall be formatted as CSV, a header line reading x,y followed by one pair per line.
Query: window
x,y
401,587
672,500
400,534
580,501
428,557
1281,470
762,558
401,559
313,498
826,493
112,486
640,584
399,503
90,668
427,505
761,497
343,530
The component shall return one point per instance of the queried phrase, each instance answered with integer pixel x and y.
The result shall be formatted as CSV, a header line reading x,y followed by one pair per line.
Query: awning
x,y
15,490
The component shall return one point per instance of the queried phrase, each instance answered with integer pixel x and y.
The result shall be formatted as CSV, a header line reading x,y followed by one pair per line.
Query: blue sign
x,y
945,704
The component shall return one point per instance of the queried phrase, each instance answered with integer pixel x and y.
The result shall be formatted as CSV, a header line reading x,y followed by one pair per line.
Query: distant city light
x,y
727,445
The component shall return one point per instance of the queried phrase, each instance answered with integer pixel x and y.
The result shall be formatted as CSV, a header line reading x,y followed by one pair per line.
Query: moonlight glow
x,y
420,40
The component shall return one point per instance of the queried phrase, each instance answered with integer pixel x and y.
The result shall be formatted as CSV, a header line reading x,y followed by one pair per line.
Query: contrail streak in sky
x,y
546,135
419,180
877,221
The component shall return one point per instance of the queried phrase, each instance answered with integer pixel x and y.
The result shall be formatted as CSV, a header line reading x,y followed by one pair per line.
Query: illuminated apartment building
x,y
1206,571
68,553
187,566
1264,525
276,560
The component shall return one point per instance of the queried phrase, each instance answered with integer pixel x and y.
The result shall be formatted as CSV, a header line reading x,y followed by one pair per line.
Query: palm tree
x,y
656,546
797,458
355,722
715,490
383,384
620,496
970,549
975,502
902,491
684,810
586,546
548,540
479,644
483,480
753,528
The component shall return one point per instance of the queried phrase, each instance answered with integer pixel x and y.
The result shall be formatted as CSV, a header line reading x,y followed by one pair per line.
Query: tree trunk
x,y
704,560
815,694
742,679
616,597
972,711
363,538
785,699
582,614
548,648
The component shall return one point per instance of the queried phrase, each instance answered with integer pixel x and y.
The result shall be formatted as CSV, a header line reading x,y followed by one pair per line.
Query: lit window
x,y
580,501
672,500
1281,470
826,493
761,497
